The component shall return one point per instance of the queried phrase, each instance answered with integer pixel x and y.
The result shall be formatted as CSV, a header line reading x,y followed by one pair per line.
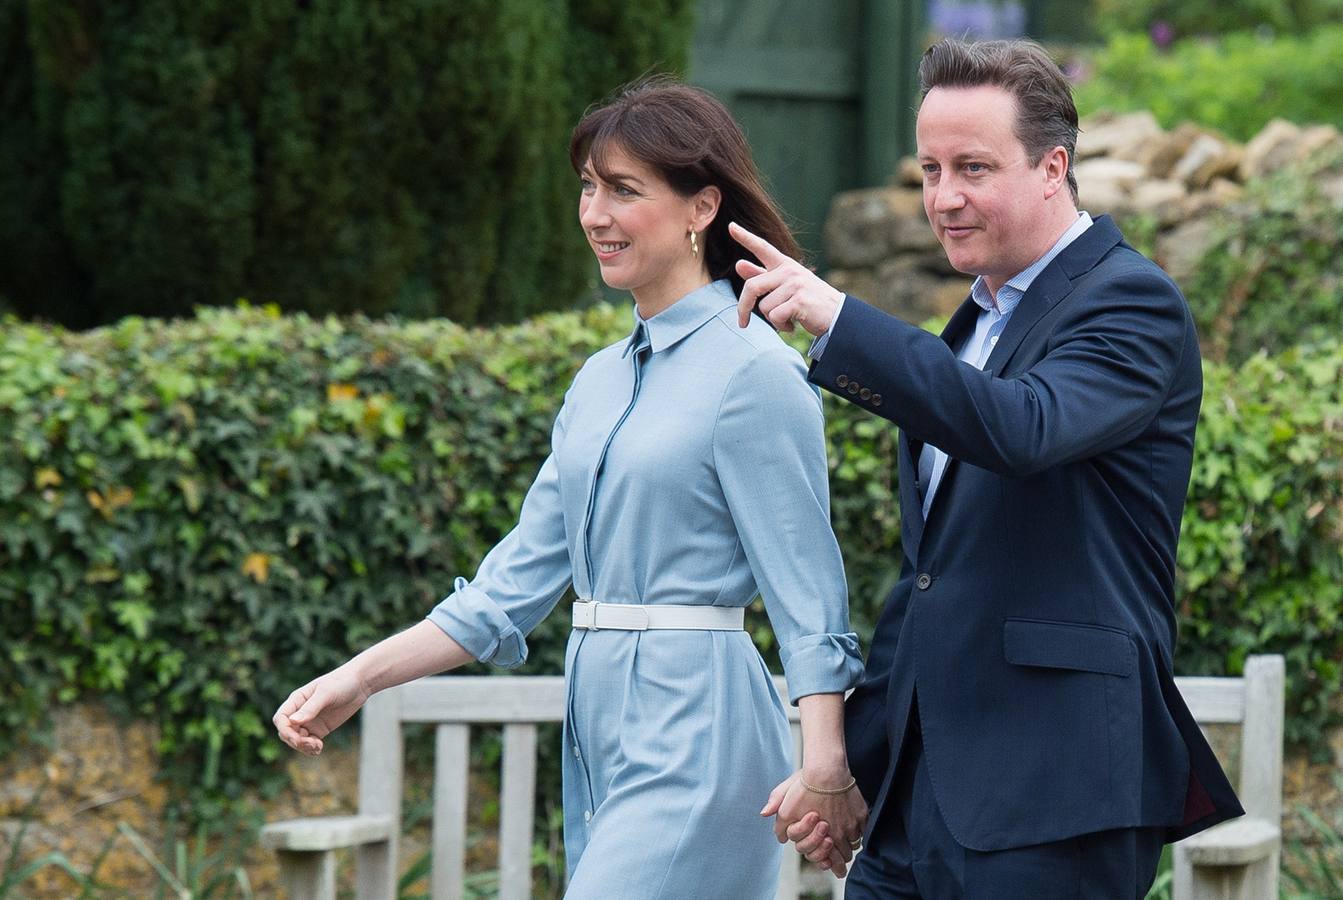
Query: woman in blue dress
x,y
687,474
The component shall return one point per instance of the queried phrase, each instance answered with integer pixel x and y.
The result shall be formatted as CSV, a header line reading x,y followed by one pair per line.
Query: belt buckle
x,y
587,611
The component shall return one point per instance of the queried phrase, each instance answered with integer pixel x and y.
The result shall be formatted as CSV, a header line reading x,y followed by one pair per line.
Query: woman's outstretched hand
x,y
319,708
824,827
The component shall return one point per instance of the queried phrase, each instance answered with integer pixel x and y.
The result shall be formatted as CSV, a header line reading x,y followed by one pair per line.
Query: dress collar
x,y
681,318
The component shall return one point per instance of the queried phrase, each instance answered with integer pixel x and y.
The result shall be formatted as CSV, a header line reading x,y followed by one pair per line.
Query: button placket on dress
x,y
641,348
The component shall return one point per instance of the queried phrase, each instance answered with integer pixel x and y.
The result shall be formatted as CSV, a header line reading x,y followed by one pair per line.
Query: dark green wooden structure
x,y
825,89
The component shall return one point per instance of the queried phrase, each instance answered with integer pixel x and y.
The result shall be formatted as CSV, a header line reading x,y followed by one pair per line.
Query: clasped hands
x,y
825,828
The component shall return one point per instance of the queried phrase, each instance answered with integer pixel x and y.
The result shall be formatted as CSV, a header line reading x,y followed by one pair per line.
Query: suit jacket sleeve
x,y
1114,346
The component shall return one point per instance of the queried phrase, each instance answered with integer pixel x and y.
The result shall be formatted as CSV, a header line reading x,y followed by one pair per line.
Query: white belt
x,y
592,615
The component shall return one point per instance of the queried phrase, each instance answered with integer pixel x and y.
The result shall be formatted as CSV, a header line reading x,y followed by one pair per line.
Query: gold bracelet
x,y
829,791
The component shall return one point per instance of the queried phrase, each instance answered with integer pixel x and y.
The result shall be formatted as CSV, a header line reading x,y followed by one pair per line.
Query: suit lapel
x,y
961,323
1051,286
1048,288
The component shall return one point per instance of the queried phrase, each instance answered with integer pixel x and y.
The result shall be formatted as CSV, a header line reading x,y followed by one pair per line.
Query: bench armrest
x,y
325,833
1234,843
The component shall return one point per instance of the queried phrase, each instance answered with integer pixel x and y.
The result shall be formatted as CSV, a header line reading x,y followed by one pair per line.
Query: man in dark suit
x,y
1018,732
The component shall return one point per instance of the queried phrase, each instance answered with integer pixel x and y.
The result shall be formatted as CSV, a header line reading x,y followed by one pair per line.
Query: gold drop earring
x,y
694,247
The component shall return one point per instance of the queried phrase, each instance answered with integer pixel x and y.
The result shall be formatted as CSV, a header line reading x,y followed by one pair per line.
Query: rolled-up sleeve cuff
x,y
472,619
821,664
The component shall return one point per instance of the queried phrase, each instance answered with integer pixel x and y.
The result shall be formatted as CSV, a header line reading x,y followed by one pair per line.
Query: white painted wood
x,y
308,876
1234,843
1236,861
1213,701
794,714
516,806
380,785
484,699
1261,738
1257,881
790,871
1239,859
837,884
452,758
325,833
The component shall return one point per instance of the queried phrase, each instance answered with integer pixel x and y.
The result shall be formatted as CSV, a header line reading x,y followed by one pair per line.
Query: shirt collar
x,y
1010,294
681,318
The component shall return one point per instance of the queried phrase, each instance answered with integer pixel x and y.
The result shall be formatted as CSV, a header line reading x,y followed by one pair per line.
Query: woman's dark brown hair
x,y
689,138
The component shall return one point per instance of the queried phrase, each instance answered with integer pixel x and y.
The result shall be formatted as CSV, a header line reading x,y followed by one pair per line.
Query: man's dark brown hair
x,y
1046,114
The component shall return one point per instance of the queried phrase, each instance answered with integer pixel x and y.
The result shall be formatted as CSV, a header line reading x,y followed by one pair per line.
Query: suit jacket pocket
x,y
1069,645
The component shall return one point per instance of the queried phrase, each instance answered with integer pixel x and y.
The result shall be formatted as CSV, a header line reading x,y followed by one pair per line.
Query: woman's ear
x,y
704,207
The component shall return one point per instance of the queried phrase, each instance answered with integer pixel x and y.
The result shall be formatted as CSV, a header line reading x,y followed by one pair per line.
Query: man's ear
x,y
704,207
1055,166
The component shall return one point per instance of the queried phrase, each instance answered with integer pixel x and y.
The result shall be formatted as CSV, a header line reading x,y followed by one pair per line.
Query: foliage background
x,y
1273,275
197,516
1235,83
1189,18
330,155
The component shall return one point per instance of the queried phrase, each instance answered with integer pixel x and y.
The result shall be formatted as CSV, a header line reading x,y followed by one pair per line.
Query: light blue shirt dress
x,y
687,467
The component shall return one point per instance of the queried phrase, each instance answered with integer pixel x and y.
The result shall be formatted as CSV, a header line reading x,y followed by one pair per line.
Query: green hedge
x,y
1204,17
1235,84
329,156
196,517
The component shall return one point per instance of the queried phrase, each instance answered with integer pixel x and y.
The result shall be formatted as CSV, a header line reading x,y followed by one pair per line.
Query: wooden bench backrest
x,y
454,704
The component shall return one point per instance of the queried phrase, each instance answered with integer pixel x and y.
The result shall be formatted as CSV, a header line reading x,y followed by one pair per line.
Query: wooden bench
x,y
1238,859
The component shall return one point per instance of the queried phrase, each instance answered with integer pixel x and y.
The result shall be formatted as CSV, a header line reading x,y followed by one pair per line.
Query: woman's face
x,y
638,228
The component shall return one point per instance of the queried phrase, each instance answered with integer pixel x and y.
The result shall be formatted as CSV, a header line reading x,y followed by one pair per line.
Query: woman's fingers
x,y
803,827
775,799
816,845
296,719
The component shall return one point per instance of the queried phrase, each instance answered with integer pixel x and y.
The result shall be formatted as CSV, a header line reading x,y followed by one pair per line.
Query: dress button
x,y
876,399
864,394
853,387
924,581
587,815
842,381
577,755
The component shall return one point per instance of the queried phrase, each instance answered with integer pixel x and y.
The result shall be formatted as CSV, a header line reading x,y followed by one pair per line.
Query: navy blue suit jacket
x,y
1034,619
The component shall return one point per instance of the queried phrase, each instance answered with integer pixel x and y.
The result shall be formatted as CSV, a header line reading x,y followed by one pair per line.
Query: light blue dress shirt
x,y
993,317
688,466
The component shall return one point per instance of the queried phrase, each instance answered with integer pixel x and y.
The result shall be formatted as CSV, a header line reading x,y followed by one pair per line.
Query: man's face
x,y
985,201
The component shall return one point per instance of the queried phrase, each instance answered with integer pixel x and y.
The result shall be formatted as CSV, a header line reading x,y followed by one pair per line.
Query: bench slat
x,y
1234,843
452,756
1213,701
319,833
484,699
515,814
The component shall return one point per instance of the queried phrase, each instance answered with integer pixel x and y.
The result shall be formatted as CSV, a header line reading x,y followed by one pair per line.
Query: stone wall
x,y
92,773
881,249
